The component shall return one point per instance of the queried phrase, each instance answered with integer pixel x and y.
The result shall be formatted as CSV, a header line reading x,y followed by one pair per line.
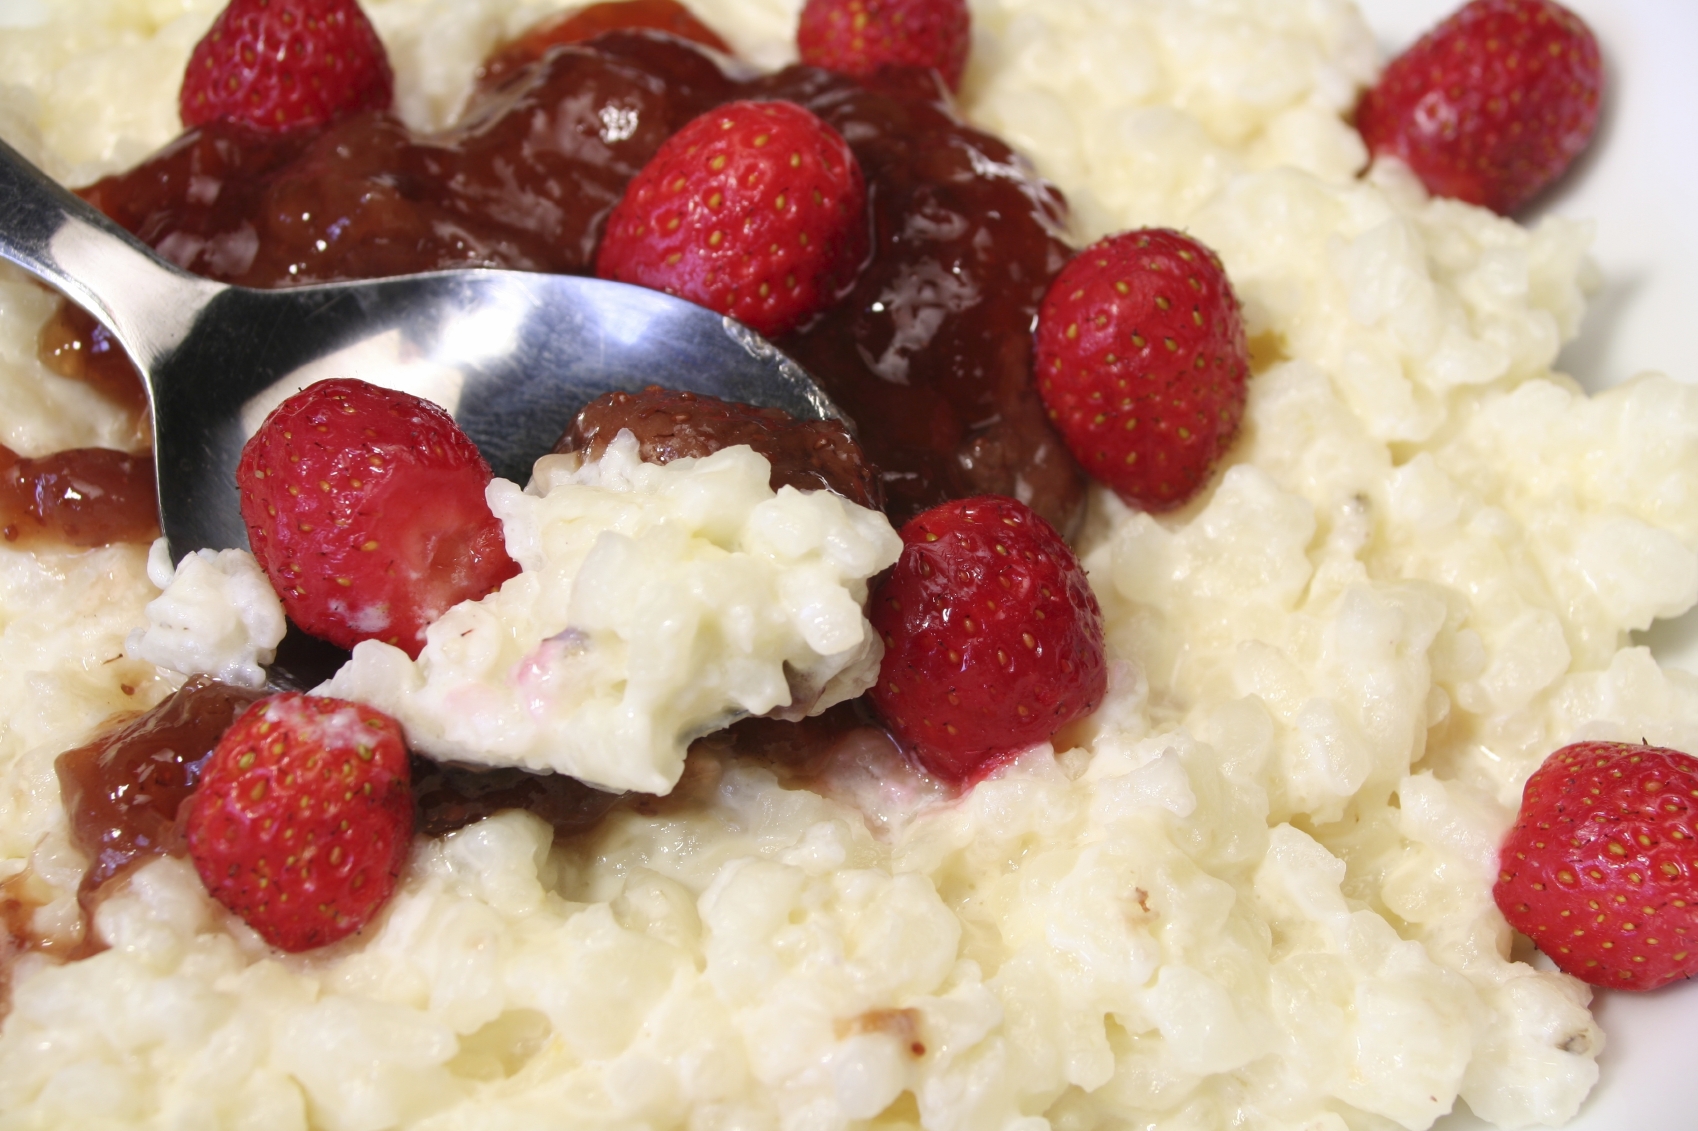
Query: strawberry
x,y
1492,104
303,817
993,640
857,37
1601,868
576,25
365,507
1142,363
756,209
280,65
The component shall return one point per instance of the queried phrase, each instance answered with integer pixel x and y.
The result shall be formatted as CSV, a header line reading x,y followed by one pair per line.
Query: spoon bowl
x,y
512,355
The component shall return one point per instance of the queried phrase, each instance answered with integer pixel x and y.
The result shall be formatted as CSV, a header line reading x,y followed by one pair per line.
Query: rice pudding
x,y
1252,889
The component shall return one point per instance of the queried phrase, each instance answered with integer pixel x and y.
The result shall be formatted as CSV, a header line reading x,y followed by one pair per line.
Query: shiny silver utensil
x,y
512,355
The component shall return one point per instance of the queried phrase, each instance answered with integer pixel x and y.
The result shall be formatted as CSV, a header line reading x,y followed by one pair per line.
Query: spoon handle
x,y
148,303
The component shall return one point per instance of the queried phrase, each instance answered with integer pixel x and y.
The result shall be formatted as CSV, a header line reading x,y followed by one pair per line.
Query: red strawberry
x,y
1142,363
303,818
284,64
755,209
366,509
993,640
857,37
1492,104
1601,868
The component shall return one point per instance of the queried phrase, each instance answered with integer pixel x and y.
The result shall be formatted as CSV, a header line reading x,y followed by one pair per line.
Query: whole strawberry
x,y
1492,104
1601,868
303,817
755,209
1142,363
280,65
993,640
857,37
365,507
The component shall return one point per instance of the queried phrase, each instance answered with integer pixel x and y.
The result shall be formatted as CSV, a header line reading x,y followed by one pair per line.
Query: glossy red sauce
x,y
17,935
122,791
809,455
80,497
930,353
74,345
451,796
580,24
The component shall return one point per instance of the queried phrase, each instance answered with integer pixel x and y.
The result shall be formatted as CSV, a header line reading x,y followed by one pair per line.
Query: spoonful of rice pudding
x,y
511,355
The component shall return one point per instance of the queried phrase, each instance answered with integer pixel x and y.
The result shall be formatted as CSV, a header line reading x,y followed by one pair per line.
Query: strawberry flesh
x,y
1143,364
1601,867
993,639
278,65
122,790
1491,105
303,818
365,507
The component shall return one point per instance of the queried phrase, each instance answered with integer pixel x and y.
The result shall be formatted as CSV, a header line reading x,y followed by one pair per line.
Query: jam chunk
x,y
452,796
80,497
122,792
931,354
72,344
809,455
579,24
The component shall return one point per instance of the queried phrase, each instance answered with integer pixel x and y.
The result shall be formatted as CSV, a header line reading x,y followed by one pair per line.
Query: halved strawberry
x,y
366,509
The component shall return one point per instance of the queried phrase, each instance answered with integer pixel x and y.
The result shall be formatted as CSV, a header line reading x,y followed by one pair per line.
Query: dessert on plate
x,y
1248,883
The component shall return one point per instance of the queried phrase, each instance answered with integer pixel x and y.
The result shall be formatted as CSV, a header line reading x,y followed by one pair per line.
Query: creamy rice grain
x,y
216,615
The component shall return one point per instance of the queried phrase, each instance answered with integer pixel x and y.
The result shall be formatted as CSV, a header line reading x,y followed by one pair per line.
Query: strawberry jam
x,y
78,497
930,353
74,345
579,24
809,455
123,790
452,796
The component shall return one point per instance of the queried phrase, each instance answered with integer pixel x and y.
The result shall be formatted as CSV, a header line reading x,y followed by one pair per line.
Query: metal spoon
x,y
512,355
